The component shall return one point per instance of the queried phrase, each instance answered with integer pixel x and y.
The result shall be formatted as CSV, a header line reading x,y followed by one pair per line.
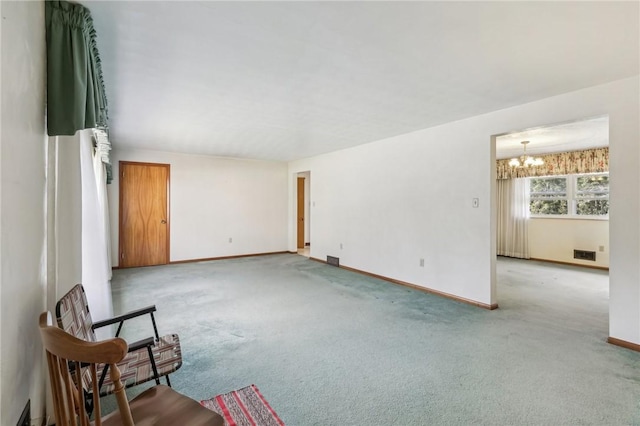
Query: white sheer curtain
x,y
100,156
96,268
513,218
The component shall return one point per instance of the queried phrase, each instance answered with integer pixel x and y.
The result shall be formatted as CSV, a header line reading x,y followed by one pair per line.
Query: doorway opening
x,y
544,218
303,213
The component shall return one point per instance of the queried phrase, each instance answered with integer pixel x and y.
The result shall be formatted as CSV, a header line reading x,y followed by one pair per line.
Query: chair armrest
x,y
149,341
66,346
144,343
124,317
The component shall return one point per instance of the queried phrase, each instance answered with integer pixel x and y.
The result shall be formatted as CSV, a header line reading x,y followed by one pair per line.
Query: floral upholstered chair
x,y
147,359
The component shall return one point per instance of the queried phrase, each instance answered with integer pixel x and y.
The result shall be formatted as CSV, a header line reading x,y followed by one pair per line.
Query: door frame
x,y
168,208
301,234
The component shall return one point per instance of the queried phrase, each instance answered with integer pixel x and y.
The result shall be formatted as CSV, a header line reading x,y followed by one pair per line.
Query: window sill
x,y
599,218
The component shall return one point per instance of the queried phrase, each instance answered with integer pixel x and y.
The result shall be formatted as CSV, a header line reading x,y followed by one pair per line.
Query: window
x,y
570,196
548,196
592,195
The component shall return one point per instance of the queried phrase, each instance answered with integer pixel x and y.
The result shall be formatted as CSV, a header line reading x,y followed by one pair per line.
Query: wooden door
x,y
144,214
300,212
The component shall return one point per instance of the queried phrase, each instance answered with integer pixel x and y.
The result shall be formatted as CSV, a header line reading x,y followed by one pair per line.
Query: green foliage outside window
x,y
592,207
549,187
593,185
548,196
592,195
582,195
549,207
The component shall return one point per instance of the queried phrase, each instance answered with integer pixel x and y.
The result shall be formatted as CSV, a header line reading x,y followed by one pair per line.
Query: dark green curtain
x,y
76,97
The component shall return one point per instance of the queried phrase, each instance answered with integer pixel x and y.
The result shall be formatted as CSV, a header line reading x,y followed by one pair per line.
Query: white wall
x,y
68,215
214,199
555,239
397,200
22,218
392,202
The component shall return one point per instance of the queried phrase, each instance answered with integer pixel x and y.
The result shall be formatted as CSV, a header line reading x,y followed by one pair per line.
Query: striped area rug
x,y
244,407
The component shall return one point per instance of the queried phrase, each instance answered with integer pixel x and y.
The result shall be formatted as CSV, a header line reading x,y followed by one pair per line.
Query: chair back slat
x,y
96,403
82,414
68,388
58,390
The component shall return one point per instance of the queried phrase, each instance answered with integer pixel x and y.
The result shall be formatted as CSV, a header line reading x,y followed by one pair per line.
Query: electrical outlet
x,y
340,246
230,239
422,262
475,202
600,248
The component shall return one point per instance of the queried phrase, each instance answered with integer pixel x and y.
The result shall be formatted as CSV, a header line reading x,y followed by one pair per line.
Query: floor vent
x,y
584,255
334,261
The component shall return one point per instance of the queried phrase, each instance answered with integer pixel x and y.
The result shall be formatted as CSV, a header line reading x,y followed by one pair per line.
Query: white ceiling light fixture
x,y
524,160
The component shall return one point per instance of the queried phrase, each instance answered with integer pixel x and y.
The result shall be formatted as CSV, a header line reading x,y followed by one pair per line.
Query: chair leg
x,y
168,382
153,365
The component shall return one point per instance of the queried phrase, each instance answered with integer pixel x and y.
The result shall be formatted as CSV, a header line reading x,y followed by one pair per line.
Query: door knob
x,y
163,221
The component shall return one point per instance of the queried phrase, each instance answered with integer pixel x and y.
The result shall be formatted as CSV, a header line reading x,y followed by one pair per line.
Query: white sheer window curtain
x,y
513,218
100,159
96,266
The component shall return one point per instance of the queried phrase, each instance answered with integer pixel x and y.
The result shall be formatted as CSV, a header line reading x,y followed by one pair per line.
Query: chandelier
x,y
524,160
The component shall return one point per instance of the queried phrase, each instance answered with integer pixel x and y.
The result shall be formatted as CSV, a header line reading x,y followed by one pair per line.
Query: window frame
x,y
571,198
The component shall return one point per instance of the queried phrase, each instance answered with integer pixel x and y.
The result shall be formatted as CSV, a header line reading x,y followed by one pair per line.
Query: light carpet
x,y
332,347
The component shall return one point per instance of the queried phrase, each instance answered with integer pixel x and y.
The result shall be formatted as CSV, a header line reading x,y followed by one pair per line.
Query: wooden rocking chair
x,y
70,358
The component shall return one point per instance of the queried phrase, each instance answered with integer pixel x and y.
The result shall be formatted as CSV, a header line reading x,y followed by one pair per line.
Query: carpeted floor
x,y
331,347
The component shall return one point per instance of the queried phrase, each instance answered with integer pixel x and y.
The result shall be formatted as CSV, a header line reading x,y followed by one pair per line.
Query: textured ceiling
x,y
574,136
287,80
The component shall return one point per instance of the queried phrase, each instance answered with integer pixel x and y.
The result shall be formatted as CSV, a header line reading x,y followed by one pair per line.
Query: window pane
x,y
548,195
592,207
593,183
548,207
593,195
548,185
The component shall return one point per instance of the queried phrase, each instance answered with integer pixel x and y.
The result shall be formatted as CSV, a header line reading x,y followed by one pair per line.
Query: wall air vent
x,y
584,255
334,261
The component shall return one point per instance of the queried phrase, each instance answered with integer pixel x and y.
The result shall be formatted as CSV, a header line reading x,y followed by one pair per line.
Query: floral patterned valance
x,y
565,163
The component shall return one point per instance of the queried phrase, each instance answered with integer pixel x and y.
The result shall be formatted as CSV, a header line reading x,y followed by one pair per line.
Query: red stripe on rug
x,y
225,411
243,407
266,404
